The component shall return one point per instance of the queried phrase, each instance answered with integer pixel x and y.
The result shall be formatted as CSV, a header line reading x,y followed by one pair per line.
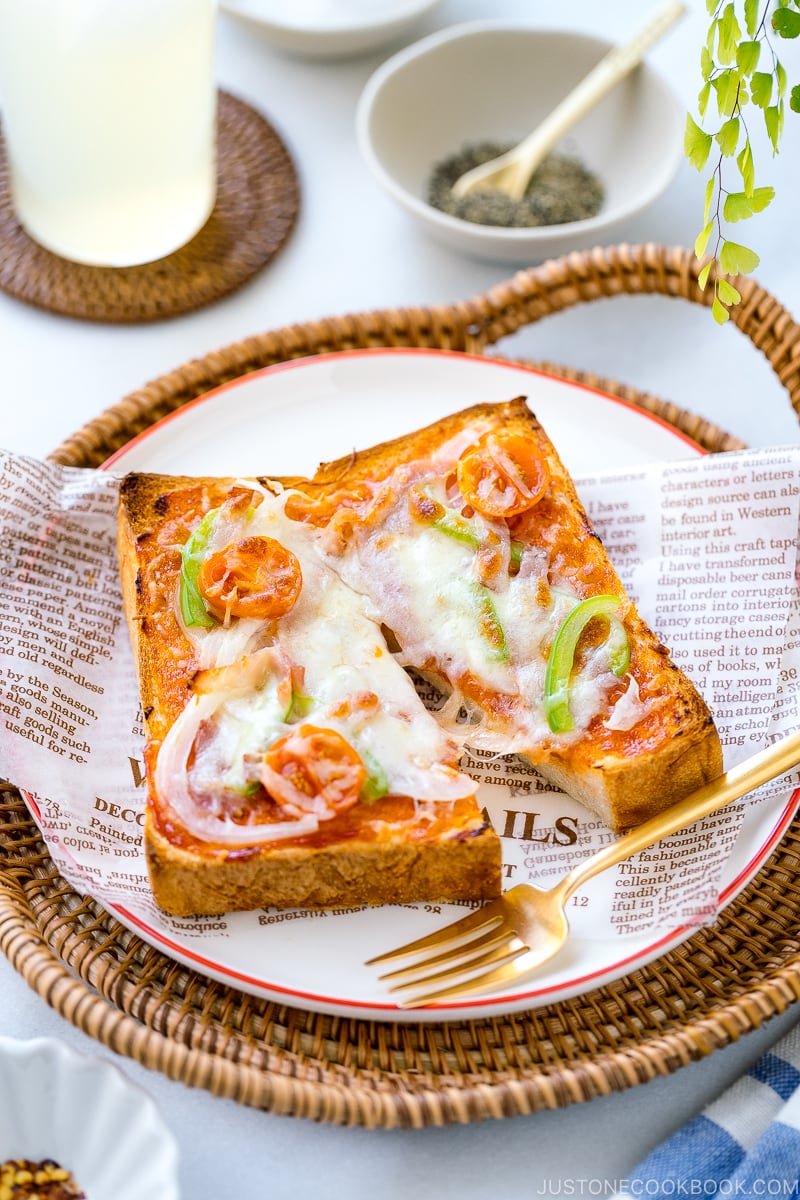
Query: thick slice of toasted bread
x,y
475,599
624,775
385,848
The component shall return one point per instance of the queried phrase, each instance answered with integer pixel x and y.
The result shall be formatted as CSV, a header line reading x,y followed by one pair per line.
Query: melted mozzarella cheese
x,y
425,585
343,653
418,578
629,709
349,680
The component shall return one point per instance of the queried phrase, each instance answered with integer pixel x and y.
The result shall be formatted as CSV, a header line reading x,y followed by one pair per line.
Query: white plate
x,y
293,416
86,1115
286,419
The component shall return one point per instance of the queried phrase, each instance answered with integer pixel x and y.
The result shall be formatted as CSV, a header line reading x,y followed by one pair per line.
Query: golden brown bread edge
x,y
623,791
449,864
338,876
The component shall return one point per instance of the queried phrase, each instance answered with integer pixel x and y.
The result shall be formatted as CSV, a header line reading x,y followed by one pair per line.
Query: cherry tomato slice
x,y
313,770
257,577
501,475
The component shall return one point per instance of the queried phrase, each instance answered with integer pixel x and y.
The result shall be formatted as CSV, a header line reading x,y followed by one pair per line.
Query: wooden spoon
x,y
510,173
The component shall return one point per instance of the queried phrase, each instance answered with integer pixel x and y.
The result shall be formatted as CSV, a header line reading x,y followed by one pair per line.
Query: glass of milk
x,y
108,112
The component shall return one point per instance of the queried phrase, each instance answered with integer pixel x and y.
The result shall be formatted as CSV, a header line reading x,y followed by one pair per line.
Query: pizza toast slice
x,y
289,760
472,543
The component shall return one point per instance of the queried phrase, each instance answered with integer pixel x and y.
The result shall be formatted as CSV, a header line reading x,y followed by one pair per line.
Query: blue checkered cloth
x,y
746,1143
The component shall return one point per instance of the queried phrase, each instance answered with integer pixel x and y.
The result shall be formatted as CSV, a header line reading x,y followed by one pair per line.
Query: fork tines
x,y
459,954
489,914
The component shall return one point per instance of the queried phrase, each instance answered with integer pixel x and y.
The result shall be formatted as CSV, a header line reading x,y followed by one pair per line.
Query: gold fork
x,y
527,925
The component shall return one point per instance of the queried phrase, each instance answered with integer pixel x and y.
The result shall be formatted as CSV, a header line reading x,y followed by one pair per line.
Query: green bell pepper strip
x,y
299,707
490,627
467,532
562,655
249,789
462,530
377,781
194,551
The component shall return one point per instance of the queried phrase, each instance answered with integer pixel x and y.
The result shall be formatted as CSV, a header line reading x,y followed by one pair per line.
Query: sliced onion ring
x,y
172,782
248,673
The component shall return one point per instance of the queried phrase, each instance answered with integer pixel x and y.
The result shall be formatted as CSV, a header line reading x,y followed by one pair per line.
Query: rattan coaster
x,y
257,203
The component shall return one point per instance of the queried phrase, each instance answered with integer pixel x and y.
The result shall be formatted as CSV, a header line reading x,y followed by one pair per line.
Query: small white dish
x,y
495,81
84,1114
330,28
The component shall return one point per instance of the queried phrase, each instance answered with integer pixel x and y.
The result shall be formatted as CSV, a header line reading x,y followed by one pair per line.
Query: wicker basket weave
x,y
725,981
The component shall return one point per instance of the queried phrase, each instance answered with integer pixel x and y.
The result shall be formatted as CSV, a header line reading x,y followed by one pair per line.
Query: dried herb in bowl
x,y
561,190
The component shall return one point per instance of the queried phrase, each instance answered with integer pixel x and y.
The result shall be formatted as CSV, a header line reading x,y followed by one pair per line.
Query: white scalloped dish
x,y
83,1113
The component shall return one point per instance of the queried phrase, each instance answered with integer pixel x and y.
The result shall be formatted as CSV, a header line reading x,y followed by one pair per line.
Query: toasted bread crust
x,y
624,777
625,792
391,872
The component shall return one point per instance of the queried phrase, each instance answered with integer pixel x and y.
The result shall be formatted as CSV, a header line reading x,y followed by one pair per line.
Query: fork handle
x,y
767,764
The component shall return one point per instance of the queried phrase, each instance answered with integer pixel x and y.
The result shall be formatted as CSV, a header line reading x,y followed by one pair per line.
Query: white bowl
x,y
329,28
495,81
83,1113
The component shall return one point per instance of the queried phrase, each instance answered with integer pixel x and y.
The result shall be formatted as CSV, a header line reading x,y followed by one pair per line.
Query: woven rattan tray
x,y
725,981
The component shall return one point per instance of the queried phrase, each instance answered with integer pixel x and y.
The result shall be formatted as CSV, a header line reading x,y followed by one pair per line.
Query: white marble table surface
x,y
353,250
